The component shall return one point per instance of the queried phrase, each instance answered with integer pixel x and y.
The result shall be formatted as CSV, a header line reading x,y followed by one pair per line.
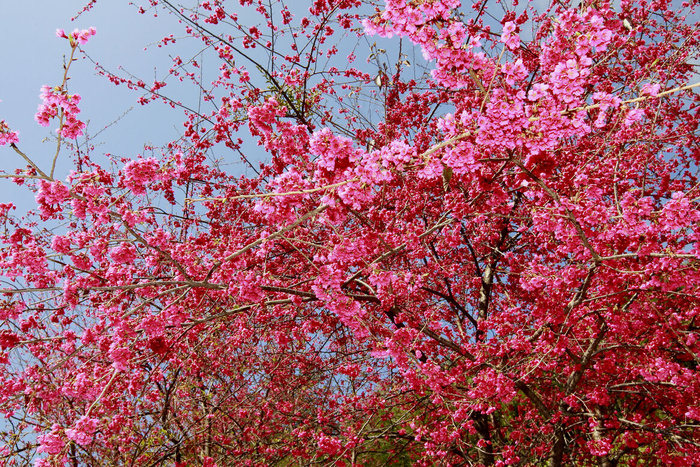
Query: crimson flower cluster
x,y
432,232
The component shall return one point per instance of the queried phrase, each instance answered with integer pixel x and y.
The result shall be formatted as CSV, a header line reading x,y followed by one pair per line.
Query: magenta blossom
x,y
6,135
56,101
77,36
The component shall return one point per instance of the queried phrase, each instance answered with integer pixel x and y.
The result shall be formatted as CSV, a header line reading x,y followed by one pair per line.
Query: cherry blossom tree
x,y
486,255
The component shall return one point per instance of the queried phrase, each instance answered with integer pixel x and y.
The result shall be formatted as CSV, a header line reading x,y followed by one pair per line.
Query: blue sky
x,y
32,56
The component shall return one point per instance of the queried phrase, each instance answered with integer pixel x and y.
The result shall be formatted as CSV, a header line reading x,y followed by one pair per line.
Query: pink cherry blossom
x,y
651,89
83,431
58,103
492,258
51,443
6,135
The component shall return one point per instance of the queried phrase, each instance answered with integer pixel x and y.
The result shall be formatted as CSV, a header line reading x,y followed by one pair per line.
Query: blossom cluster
x,y
138,173
77,36
56,102
7,136
50,196
513,282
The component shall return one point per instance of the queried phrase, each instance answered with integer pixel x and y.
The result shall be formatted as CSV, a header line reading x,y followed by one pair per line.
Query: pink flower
x,y
60,244
52,192
457,33
8,340
514,71
138,173
263,117
84,431
633,116
474,42
7,136
51,195
51,443
509,27
694,413
606,101
537,91
511,40
124,253
601,39
329,445
78,36
120,357
81,36
596,22
599,447
55,101
651,89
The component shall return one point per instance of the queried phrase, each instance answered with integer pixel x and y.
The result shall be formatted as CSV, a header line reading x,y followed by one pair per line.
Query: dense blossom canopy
x,y
485,256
